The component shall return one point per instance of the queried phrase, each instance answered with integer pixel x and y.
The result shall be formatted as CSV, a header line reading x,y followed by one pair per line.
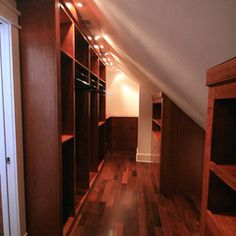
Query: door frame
x,y
3,167
13,126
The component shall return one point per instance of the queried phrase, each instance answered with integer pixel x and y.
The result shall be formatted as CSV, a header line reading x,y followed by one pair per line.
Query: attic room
x,y
117,117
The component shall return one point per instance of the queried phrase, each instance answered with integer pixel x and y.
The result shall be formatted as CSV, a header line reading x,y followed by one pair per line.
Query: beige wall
x,y
145,126
122,95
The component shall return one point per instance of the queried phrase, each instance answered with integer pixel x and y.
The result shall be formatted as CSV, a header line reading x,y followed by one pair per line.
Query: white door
x,y
4,203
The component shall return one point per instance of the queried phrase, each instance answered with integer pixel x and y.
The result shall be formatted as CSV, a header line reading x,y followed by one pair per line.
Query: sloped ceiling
x,y
169,44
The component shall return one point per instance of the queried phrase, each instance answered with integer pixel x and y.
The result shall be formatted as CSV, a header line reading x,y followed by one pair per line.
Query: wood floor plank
x,y
125,201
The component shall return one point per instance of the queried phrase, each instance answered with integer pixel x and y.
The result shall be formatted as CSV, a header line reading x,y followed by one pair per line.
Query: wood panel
x,y
222,72
124,134
39,42
182,146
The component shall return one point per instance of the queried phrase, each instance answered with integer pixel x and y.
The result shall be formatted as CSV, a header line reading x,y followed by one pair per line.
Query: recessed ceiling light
x,y
97,37
96,46
104,59
69,5
107,53
109,59
90,38
101,46
111,63
80,4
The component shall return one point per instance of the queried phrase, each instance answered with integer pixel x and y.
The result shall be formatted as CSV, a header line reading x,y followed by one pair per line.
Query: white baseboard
x,y
147,158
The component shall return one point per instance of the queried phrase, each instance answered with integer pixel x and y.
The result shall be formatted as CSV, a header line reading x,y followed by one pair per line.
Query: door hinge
x,y
8,160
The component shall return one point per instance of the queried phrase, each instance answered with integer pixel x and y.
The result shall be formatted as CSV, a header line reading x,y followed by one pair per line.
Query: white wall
x,y
145,126
122,95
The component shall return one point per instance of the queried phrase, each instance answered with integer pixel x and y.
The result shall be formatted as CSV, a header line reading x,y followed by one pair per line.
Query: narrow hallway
x,y
125,200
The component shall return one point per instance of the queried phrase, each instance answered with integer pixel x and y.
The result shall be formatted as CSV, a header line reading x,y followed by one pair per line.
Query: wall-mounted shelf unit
x,y
219,183
62,107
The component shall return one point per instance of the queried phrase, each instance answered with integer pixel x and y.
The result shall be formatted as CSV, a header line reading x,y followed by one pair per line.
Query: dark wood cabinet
x,y
63,87
219,183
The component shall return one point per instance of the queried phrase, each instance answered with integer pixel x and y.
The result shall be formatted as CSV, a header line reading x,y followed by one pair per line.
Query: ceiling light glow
x,y
90,38
69,5
80,4
96,46
97,37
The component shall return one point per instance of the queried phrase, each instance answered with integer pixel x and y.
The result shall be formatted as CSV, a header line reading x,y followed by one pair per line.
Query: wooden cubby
x,y
68,187
81,48
224,131
218,215
94,160
156,127
67,137
102,141
94,62
102,100
67,97
66,33
60,83
102,71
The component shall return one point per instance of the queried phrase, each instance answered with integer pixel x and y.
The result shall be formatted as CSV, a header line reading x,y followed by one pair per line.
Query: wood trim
x,y
221,73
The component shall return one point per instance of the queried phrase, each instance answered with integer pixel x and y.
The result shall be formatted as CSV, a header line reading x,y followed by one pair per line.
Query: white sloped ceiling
x,y
169,44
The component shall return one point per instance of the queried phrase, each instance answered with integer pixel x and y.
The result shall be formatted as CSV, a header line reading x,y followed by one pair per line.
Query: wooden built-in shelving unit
x,y
219,183
66,94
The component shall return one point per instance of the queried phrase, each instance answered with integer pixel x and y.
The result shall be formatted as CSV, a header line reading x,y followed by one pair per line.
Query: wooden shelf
x,y
100,123
66,137
67,54
102,80
226,172
80,64
221,224
157,121
95,75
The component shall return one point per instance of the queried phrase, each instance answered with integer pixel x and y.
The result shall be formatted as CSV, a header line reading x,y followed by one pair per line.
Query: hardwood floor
x,y
125,201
